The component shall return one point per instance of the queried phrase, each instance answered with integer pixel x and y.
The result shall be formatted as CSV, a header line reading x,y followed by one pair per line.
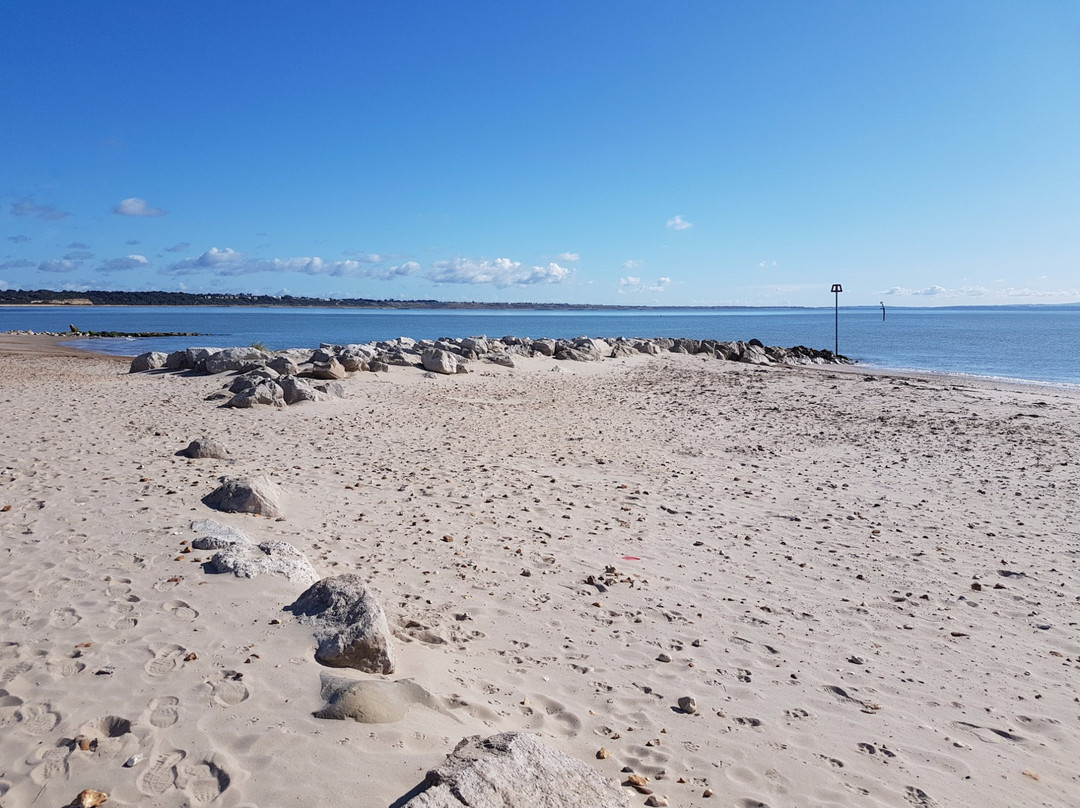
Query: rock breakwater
x,y
280,378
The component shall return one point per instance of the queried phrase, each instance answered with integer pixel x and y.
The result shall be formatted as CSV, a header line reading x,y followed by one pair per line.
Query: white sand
x,y
802,543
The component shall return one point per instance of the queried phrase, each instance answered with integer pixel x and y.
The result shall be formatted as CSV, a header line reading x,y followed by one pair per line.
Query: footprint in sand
x,y
52,589
164,711
65,617
919,798
64,667
118,587
166,660
125,605
36,719
160,775
125,623
52,762
14,671
168,583
988,734
204,781
228,688
9,706
180,611
9,650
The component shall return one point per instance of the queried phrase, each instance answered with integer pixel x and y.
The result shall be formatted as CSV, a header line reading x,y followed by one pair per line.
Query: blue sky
x,y
712,153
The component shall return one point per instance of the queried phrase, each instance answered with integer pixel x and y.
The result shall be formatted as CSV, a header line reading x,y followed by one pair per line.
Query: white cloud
x,y
633,263
4,284
133,206
18,239
569,257
1010,293
229,262
499,272
79,255
78,245
764,264
633,284
367,258
121,264
17,263
64,265
28,207
679,223
180,246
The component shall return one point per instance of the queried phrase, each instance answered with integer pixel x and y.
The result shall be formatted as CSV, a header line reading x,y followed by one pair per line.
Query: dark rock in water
x,y
350,624
514,770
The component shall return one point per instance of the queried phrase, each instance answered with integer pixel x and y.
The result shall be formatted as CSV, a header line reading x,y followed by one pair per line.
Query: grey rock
x,y
283,366
206,447
505,360
246,495
331,389
177,360
247,560
233,359
331,369
515,770
265,392
215,535
295,390
350,624
371,701
375,366
439,361
151,360
544,347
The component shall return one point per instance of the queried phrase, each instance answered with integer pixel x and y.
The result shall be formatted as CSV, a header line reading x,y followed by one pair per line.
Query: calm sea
x,y
1028,343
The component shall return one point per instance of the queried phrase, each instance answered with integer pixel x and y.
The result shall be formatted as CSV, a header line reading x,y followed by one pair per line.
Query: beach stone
x,y
505,360
265,392
247,560
294,389
331,389
233,359
216,536
544,347
514,770
151,360
330,370
754,355
177,360
439,361
246,495
206,447
371,701
350,624
688,704
283,366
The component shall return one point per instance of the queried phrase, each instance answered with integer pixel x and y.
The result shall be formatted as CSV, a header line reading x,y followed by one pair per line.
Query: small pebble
x,y
602,753
688,705
664,658
656,799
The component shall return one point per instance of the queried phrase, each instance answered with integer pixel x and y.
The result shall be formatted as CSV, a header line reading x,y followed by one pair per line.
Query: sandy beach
x,y
868,583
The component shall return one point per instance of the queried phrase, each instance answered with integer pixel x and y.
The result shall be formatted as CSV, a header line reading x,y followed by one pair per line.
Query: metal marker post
x,y
836,290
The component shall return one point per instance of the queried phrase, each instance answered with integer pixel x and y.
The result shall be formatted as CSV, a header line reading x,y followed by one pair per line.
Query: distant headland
x,y
48,297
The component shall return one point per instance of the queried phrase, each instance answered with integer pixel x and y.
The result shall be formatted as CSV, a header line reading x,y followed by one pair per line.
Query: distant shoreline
x,y
45,298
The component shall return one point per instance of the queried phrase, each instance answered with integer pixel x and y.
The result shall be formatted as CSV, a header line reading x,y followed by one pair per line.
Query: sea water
x,y
1033,343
